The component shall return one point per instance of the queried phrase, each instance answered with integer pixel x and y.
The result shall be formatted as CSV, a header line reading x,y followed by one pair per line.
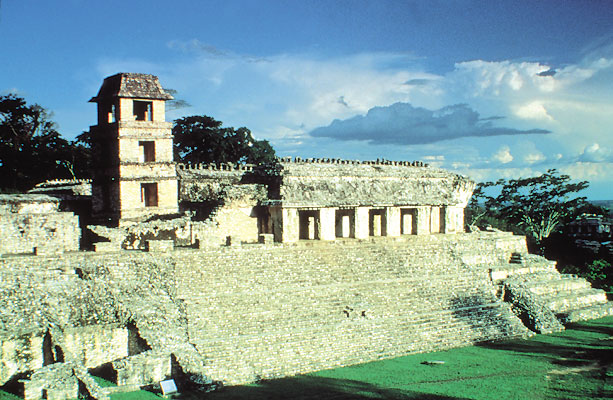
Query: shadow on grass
x,y
312,388
581,358
566,347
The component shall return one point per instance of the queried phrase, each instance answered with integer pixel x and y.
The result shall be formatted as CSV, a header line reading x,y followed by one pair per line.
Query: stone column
x,y
327,218
361,222
454,219
392,216
423,220
290,225
435,220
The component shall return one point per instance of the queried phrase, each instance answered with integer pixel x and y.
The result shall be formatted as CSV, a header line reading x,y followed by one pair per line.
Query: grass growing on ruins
x,y
574,364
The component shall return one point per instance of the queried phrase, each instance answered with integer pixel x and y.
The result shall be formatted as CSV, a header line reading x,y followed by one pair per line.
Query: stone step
x,y
585,313
488,314
437,335
562,284
262,313
576,300
501,272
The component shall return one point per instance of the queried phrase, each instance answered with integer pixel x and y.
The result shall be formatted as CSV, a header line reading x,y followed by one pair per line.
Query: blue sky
x,y
486,88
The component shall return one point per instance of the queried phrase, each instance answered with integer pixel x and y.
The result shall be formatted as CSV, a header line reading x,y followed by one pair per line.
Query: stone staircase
x,y
296,309
568,297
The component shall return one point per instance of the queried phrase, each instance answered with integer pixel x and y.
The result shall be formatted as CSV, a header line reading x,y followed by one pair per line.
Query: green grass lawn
x,y
574,364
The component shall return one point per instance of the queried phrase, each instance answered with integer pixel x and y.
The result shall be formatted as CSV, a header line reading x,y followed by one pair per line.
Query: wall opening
x,y
143,110
408,221
113,114
264,221
377,224
345,223
149,194
147,153
309,222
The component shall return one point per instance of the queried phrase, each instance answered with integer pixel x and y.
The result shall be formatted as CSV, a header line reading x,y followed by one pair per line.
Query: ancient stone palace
x,y
236,273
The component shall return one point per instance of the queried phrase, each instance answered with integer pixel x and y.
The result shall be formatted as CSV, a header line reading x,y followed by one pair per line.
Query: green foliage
x,y
31,149
536,206
600,273
202,139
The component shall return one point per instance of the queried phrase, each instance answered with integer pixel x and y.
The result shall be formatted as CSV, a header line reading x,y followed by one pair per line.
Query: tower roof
x,y
131,85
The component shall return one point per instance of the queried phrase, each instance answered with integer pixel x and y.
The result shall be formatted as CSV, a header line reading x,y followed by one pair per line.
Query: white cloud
x,y
503,155
532,158
533,110
595,154
281,97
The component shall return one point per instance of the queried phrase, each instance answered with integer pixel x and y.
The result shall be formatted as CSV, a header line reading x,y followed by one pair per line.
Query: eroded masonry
x,y
237,273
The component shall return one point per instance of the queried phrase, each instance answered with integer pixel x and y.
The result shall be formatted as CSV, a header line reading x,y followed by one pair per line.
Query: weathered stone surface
x,y
143,369
238,313
331,185
31,223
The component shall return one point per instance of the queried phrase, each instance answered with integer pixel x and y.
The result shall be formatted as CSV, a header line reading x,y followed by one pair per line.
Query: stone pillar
x,y
361,222
327,221
290,225
392,216
454,219
435,220
423,220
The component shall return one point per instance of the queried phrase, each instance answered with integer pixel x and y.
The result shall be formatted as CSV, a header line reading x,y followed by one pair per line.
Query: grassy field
x,y
574,364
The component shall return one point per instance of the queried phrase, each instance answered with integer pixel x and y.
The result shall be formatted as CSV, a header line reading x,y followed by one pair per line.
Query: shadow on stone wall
x,y
312,388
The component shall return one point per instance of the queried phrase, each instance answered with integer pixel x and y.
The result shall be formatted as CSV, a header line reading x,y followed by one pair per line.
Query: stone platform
x,y
238,314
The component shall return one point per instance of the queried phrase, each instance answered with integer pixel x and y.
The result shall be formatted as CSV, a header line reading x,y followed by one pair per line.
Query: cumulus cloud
x,y
533,110
503,155
596,154
401,123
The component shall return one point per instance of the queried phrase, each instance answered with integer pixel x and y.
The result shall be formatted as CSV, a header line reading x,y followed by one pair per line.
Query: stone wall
x,y
33,224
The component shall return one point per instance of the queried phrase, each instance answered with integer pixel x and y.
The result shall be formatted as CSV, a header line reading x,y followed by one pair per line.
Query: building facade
x,y
136,175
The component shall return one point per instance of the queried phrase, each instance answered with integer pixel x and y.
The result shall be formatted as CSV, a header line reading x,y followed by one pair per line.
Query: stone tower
x,y
136,176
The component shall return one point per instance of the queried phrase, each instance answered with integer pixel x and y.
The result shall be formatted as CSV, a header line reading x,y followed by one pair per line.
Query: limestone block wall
x,y
94,345
18,354
50,314
133,202
29,222
238,221
205,182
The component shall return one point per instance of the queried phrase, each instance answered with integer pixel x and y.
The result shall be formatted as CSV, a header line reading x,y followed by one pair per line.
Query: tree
x,y
202,139
536,206
31,149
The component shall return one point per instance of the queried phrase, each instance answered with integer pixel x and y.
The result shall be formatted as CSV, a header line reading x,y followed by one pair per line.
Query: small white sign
x,y
168,386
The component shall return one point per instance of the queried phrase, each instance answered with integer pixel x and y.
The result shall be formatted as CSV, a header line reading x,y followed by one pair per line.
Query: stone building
x,y
330,199
371,261
136,177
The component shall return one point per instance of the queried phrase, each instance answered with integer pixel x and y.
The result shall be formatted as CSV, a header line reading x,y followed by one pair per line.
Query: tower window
x,y
143,110
149,194
147,153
